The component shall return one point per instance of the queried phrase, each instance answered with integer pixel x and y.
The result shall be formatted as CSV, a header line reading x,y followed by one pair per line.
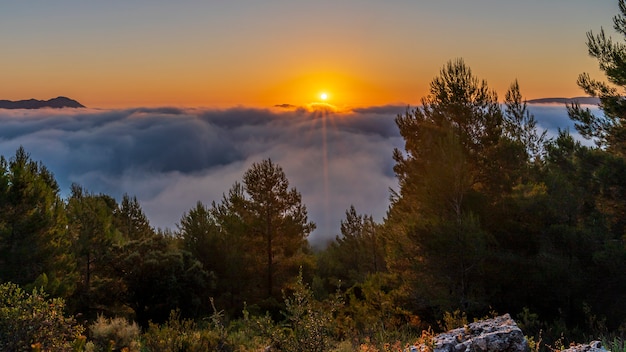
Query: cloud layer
x,y
171,158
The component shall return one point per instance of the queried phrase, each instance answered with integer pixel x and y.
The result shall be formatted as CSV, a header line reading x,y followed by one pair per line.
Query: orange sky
x,y
219,54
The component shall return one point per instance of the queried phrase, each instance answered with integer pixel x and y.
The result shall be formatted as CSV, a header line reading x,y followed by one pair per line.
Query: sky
x,y
183,96
220,54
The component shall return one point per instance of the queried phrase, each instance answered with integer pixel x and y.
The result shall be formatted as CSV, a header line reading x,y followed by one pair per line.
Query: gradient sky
x,y
126,53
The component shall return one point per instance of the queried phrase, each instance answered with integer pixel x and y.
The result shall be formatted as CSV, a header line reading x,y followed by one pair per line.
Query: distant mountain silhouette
x,y
59,102
579,100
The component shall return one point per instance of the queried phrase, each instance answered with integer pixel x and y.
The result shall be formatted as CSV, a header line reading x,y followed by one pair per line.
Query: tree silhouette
x,y
608,129
277,217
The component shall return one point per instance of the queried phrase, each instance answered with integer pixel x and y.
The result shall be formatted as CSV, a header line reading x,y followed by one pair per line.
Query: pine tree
x,y
278,218
608,129
34,242
130,219
462,155
90,224
358,253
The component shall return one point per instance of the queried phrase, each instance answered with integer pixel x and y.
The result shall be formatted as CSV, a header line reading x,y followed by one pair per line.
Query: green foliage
x,y
178,335
159,277
520,125
216,237
372,310
484,195
533,345
131,221
260,226
528,322
462,155
199,234
614,344
278,221
453,320
90,225
353,256
34,320
114,334
608,130
33,240
309,324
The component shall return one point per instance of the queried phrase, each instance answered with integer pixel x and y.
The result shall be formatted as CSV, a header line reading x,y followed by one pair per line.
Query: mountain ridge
x,y
57,103
65,102
579,100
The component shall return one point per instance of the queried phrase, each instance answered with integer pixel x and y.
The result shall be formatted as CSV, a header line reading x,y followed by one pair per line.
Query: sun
x,y
324,96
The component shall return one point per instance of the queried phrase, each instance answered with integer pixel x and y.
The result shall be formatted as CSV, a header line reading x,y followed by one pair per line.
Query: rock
x,y
500,334
594,346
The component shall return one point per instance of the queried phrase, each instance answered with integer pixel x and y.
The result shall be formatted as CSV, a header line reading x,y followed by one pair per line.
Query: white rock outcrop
x,y
498,334
594,346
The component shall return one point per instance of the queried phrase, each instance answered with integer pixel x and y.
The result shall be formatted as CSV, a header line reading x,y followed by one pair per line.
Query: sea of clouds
x,y
171,158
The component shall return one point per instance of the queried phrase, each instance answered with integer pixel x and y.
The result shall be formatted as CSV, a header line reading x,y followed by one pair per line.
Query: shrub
x,y
309,324
614,344
178,335
114,334
32,321
453,320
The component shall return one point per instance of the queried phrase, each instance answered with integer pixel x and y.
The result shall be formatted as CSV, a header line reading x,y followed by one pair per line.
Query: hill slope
x,y
59,102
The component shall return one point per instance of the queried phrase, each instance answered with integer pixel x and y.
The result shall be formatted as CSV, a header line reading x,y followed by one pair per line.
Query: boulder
x,y
594,346
497,334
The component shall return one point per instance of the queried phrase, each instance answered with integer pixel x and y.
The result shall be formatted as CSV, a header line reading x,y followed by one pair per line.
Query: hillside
x,y
59,102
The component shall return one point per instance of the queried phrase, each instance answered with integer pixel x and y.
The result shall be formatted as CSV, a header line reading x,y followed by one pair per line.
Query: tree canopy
x,y
609,128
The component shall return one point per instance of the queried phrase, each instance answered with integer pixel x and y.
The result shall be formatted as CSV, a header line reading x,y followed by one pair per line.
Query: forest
x,y
491,216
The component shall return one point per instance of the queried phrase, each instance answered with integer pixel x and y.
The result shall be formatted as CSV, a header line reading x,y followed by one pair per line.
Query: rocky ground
x,y
500,334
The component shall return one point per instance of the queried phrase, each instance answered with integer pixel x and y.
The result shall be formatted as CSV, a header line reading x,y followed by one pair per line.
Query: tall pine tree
x,y
34,242
278,220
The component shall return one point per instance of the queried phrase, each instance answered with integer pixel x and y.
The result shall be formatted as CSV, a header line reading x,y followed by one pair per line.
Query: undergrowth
x,y
36,323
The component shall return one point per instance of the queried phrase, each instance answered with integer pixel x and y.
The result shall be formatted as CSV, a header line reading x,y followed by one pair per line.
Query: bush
x,y
114,334
31,321
309,324
178,335
453,320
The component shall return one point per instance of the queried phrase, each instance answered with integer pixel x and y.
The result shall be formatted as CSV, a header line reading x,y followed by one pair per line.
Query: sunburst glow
x,y
324,96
